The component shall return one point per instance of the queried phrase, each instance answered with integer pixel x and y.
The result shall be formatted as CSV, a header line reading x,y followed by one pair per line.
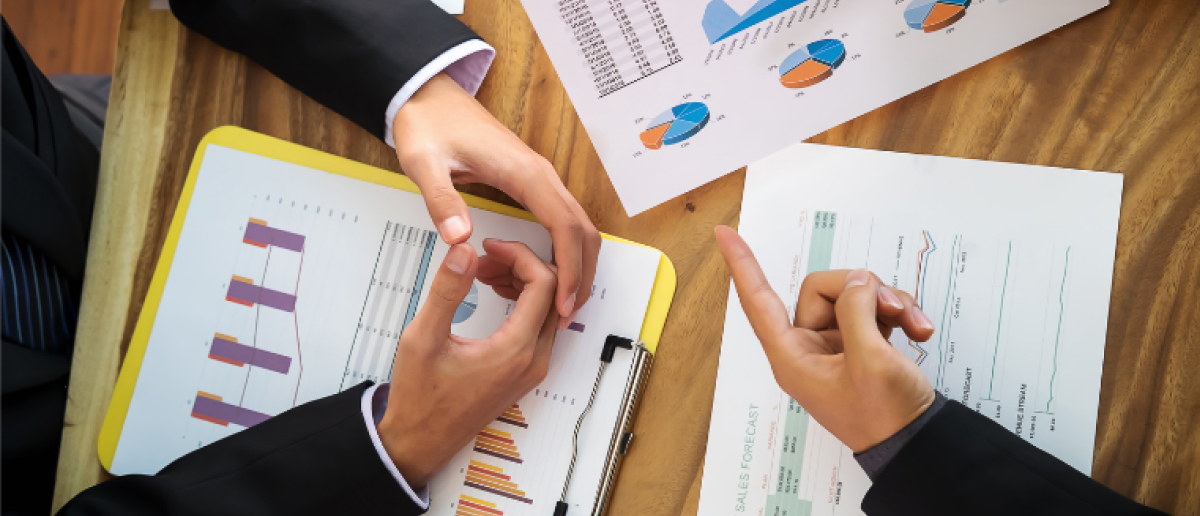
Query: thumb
x,y
446,207
856,318
450,286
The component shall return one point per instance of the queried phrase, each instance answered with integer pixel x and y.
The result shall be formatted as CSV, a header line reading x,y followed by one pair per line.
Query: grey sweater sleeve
x,y
875,459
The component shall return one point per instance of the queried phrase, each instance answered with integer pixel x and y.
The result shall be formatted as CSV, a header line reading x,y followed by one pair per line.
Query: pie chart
x,y
467,308
812,64
935,15
675,125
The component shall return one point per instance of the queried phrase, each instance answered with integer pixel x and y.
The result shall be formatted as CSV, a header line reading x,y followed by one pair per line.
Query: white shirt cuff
x,y
374,404
466,63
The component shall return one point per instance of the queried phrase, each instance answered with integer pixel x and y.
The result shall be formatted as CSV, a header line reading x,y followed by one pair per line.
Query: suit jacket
x,y
46,193
352,56
963,463
315,459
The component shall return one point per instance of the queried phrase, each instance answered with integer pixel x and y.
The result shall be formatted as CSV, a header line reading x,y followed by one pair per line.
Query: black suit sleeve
x,y
350,55
964,463
316,459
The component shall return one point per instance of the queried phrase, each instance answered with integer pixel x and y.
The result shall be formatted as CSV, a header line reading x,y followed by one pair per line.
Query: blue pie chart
x,y
467,308
675,125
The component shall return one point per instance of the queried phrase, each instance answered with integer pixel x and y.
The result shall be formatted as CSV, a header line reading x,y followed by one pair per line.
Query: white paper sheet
x,y
628,63
347,264
1012,263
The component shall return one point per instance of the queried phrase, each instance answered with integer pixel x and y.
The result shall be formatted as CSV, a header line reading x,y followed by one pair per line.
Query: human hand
x,y
445,389
443,136
836,361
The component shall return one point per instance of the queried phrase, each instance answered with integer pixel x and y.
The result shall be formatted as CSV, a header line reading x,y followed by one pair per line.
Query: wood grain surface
x,y
66,36
1118,91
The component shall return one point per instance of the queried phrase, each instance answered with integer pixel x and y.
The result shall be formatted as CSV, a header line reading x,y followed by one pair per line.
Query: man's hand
x,y
445,389
836,361
443,136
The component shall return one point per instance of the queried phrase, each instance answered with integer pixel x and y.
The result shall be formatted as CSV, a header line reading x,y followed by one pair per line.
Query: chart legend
x,y
675,125
812,64
935,15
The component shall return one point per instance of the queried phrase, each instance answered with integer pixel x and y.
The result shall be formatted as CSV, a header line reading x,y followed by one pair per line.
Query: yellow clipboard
x,y
255,143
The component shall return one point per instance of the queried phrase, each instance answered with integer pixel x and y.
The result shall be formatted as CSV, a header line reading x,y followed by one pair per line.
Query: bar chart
x,y
243,291
259,234
227,349
491,479
284,280
214,409
471,506
513,416
497,444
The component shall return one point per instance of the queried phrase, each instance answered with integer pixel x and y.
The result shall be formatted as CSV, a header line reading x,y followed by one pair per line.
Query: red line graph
x,y
296,322
919,291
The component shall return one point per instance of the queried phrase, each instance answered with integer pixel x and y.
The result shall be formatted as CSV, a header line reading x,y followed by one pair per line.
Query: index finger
x,y
763,308
536,297
576,243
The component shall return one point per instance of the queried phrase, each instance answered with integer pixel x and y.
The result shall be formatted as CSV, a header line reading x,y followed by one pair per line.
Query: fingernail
x,y
858,278
457,260
567,307
564,322
453,228
890,299
922,320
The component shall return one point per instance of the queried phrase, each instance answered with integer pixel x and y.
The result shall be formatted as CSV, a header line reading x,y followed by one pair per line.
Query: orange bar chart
x,y
497,444
471,506
513,416
491,479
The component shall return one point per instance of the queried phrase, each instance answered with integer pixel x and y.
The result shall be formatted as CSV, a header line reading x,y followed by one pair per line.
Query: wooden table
x,y
1117,91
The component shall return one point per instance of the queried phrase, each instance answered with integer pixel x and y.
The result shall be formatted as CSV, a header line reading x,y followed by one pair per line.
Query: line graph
x,y
921,286
1000,322
998,347
1062,308
944,331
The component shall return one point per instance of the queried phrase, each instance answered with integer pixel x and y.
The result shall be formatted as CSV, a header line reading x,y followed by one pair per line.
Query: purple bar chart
x,y
243,291
211,408
259,234
227,349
